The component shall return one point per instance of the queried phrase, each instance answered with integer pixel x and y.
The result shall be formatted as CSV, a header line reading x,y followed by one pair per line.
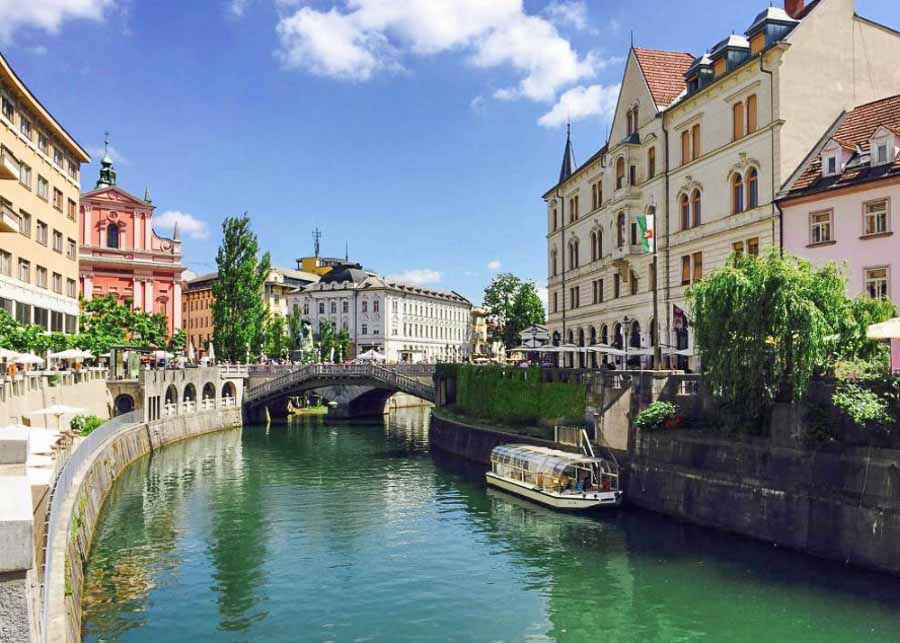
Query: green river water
x,y
359,532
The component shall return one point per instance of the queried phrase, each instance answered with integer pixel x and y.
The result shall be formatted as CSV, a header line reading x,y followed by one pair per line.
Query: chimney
x,y
793,7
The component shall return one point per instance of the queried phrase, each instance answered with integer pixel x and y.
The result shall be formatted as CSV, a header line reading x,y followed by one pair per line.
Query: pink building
x,y
839,205
121,254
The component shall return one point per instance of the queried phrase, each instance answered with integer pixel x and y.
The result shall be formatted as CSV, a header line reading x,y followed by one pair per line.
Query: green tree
x,y
514,305
179,342
342,344
239,310
295,332
276,339
764,326
326,341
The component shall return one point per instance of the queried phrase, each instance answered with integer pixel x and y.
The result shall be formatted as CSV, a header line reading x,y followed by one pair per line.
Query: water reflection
x,y
316,531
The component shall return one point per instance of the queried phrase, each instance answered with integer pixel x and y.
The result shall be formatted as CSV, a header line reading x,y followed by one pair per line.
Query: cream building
x,y
703,144
405,323
40,166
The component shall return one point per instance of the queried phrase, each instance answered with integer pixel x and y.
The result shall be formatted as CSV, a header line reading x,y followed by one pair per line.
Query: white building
x,y
704,144
405,323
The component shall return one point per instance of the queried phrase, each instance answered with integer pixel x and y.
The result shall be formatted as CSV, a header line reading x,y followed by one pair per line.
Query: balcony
x,y
627,250
9,167
9,221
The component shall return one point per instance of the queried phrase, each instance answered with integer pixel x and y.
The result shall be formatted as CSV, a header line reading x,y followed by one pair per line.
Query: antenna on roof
x,y
317,236
632,38
346,251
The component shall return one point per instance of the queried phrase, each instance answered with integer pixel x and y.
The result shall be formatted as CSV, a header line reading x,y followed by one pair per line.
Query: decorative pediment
x,y
689,185
744,163
116,195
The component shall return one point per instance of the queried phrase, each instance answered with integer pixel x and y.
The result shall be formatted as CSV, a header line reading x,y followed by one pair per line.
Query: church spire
x,y
568,162
107,173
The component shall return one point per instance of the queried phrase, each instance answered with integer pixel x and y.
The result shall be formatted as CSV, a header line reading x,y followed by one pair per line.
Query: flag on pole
x,y
648,231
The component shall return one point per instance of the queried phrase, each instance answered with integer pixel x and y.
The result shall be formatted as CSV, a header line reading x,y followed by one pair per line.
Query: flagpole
x,y
657,349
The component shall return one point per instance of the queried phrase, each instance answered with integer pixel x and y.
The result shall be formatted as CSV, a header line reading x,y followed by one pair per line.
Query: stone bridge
x,y
360,389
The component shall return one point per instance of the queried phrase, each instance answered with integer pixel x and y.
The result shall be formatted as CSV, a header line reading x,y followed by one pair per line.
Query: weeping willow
x,y
765,326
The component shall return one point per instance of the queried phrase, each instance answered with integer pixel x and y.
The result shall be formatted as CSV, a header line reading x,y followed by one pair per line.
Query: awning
x,y
885,330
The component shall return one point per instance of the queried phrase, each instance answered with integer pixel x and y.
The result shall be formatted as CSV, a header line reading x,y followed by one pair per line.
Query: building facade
x,y
839,206
40,169
702,144
197,307
405,323
121,254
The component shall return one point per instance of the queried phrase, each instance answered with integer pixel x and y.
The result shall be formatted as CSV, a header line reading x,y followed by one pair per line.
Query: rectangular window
x,y
71,288
555,221
72,325
71,209
25,127
71,249
617,285
58,156
25,175
57,283
877,282
737,121
42,317
698,266
9,109
23,313
876,217
56,321
345,306
820,227
43,143
43,188
24,223
832,165
737,248
634,283
365,329
25,271
556,302
321,307
882,154
40,277
753,247
752,117
697,148
73,170
57,241
57,199
651,163
632,175
41,233
5,263
376,305
685,270
685,147
333,307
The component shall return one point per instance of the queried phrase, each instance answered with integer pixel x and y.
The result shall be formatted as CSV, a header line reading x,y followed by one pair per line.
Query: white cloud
x,y
237,8
544,295
416,277
582,102
373,36
97,152
572,13
47,15
494,265
188,224
477,104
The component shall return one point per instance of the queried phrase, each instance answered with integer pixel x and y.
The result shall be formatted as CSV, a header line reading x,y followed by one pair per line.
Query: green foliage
x,y
654,416
179,342
326,341
765,325
295,332
84,424
514,305
276,338
342,342
865,407
239,311
105,322
516,395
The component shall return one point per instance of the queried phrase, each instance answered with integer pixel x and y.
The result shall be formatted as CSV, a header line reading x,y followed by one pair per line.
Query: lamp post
x,y
626,332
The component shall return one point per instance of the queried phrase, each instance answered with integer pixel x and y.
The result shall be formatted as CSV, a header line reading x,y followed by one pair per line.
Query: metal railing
x,y
68,465
383,374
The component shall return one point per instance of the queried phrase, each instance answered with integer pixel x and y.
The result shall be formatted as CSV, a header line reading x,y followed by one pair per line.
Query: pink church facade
x,y
121,254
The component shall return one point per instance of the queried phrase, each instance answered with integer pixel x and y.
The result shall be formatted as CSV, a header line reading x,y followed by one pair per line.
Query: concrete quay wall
x,y
70,545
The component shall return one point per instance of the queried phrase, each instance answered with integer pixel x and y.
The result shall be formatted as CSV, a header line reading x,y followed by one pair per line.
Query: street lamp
x,y
626,332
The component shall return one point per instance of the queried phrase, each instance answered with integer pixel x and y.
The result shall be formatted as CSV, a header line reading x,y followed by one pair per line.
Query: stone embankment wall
x,y
71,547
843,505
23,394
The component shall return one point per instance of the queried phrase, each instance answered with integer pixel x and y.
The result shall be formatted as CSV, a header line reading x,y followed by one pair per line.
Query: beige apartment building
x,y
703,144
40,165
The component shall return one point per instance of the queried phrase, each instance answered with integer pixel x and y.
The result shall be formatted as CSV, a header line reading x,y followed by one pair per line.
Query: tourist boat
x,y
555,478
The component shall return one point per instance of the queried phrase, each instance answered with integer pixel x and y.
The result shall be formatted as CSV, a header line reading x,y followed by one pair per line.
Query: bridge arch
x,y
190,393
228,390
171,394
209,391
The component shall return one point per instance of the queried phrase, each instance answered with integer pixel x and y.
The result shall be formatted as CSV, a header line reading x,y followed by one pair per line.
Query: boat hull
x,y
584,502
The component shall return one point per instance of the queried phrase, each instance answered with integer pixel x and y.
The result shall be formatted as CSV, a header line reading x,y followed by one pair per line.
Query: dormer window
x,y
882,154
831,166
883,147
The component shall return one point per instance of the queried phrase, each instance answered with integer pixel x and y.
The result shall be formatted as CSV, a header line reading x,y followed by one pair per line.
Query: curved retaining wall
x,y
71,546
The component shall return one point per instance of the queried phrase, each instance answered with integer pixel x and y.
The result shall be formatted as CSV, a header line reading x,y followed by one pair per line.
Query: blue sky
x,y
421,132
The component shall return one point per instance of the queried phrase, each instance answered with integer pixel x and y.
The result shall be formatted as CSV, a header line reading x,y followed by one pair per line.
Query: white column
x,y
148,296
88,287
138,294
176,314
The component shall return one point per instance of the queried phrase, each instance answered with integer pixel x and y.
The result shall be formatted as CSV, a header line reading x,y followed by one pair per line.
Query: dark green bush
x,y
655,416
85,424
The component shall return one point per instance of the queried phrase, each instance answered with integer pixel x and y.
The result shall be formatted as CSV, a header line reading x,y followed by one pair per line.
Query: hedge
x,y
516,395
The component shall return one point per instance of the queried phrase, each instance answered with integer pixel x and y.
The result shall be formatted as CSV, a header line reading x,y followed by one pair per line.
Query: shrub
x,y
657,415
85,424
865,407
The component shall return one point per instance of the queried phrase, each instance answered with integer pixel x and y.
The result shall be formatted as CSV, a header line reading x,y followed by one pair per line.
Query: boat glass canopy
x,y
541,460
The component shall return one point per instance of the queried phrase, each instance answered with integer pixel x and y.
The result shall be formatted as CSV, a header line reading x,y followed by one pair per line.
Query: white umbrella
x,y
190,351
29,358
59,410
885,330
5,353
371,355
72,353
212,353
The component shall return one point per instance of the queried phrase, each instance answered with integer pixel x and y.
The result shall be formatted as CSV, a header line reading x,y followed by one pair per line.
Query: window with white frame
x,y
5,263
876,217
882,154
43,188
830,165
820,226
876,282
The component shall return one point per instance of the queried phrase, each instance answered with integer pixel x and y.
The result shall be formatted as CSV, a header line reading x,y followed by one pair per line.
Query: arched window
x,y
635,119
599,245
576,253
752,188
696,207
651,162
685,209
112,236
554,262
620,173
737,193
594,256
620,225
737,121
630,124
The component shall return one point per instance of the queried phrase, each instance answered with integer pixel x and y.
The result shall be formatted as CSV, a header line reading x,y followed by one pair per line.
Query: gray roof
x,y
772,14
568,162
734,41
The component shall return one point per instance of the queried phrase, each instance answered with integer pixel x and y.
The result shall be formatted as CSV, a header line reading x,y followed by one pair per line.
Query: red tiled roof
x,y
664,71
854,133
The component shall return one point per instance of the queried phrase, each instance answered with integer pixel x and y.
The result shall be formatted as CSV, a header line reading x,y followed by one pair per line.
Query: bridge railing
x,y
385,374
